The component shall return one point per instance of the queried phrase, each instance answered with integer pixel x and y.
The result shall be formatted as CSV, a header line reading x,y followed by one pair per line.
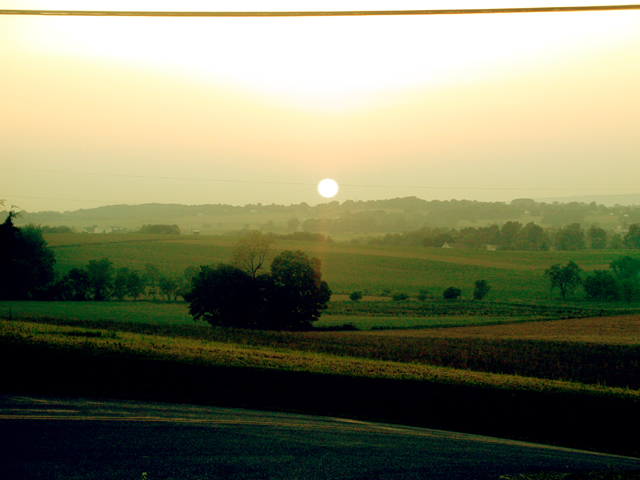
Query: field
x,y
513,276
574,392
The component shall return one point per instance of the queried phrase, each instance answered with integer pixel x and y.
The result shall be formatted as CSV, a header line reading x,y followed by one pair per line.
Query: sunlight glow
x,y
328,188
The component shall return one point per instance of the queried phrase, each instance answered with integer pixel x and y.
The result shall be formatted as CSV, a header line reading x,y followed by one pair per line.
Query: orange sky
x,y
226,110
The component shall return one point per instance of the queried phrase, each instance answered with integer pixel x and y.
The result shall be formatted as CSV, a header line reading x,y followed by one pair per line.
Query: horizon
x,y
586,199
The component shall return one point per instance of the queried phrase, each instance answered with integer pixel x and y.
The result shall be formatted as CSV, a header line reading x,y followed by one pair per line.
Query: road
x,y
71,438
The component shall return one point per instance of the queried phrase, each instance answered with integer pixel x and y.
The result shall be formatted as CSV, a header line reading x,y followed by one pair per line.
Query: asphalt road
x,y
70,438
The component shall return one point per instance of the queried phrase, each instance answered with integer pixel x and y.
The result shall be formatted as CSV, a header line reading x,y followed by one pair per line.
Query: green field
x,y
513,276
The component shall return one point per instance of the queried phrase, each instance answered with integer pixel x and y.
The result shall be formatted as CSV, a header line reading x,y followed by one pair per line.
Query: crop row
x,y
446,308
611,365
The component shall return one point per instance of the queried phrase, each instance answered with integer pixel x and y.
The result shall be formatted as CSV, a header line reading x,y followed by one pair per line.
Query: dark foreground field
x,y
54,437
102,361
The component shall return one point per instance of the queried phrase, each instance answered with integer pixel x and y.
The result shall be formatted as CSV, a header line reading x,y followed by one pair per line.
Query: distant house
x,y
446,245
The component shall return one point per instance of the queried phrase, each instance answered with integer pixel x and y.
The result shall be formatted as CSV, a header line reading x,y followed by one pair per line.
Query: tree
x,y
225,296
251,251
355,296
120,283
532,237
632,237
629,289
160,229
100,274
297,295
452,293
26,263
293,224
168,286
627,272
135,284
77,284
481,289
509,234
185,280
625,267
597,237
616,242
566,278
151,274
601,285
570,237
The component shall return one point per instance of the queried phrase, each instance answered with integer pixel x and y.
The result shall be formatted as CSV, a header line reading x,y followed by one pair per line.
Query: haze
x,y
97,111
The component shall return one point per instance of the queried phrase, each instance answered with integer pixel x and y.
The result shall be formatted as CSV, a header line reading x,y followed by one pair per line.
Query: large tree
x,y
297,295
26,263
224,296
290,297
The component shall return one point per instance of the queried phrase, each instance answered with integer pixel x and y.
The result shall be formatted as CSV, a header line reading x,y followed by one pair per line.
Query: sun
x,y
328,188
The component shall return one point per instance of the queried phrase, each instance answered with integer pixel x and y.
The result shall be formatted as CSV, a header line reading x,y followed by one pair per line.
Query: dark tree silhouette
x,y
26,264
290,297
224,296
297,294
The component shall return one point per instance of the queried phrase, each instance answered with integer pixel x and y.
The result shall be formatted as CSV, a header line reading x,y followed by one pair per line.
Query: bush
x,y
452,293
355,296
399,297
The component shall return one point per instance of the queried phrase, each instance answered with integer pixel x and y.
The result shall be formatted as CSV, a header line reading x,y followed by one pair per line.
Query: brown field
x,y
619,330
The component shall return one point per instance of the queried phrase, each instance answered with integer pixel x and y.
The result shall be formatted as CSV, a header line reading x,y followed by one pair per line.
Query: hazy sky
x,y
97,111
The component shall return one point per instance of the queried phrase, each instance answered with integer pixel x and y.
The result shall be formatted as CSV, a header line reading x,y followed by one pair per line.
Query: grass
x,y
363,315
513,276
155,313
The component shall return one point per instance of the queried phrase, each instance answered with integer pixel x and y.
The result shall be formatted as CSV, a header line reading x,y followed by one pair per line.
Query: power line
x,y
335,13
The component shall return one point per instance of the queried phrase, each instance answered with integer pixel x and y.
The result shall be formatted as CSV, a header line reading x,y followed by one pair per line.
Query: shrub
x,y
399,297
452,293
355,296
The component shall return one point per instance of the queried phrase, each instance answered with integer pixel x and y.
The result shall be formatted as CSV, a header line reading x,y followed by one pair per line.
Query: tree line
x,y
100,280
516,236
620,282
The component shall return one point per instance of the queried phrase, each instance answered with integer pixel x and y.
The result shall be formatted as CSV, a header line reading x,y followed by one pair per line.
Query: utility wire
x,y
336,13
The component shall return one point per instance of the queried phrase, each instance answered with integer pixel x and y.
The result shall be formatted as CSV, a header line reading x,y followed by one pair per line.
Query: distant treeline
x,y
375,216
516,236
148,229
